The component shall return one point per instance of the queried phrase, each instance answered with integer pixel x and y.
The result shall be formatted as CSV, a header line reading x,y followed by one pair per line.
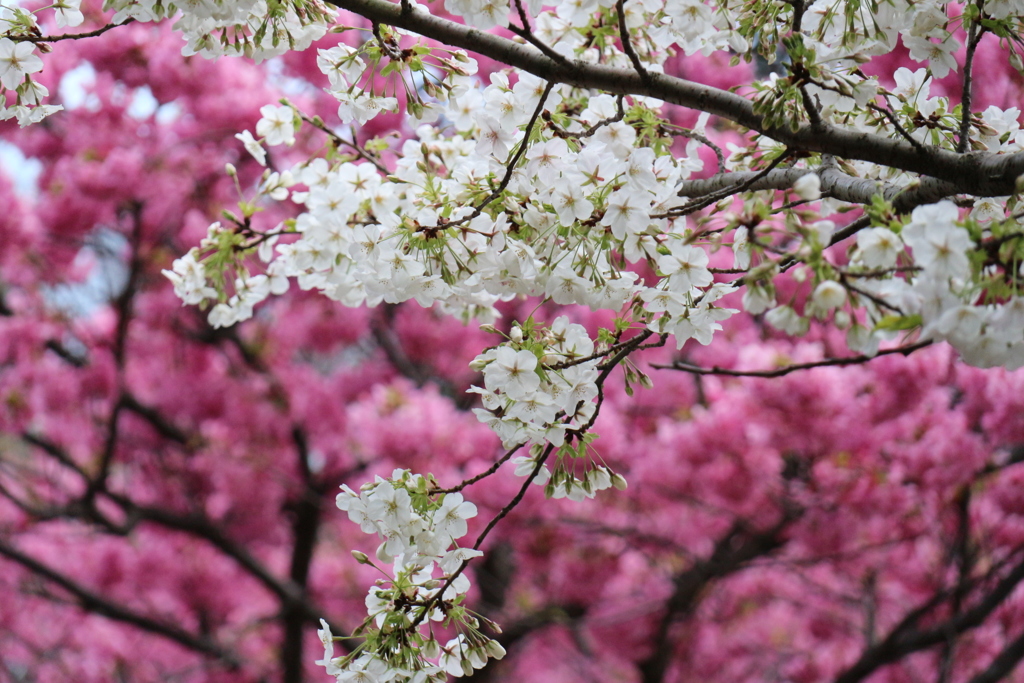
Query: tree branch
x,y
786,369
974,34
305,525
905,639
100,605
834,183
69,36
980,174
158,422
731,553
1004,663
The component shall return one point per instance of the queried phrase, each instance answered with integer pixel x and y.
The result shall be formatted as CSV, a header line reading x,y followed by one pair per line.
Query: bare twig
x,y
68,36
745,184
787,369
907,637
483,475
439,595
627,45
974,34
703,139
526,33
732,552
891,117
351,144
98,604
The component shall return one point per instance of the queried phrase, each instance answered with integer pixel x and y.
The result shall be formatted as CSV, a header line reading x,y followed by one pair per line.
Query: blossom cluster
x,y
539,388
254,28
19,61
539,384
419,530
570,223
953,304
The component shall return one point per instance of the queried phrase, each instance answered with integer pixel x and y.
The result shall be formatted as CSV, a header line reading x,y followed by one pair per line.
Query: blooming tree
x,y
831,199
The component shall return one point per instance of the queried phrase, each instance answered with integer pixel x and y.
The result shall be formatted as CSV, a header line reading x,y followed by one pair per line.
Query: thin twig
x,y
589,132
68,36
704,202
891,117
510,169
439,594
974,34
537,43
351,144
386,47
785,370
486,473
627,45
694,135
526,33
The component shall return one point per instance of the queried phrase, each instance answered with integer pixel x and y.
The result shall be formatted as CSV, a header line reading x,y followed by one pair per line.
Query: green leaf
x,y
895,323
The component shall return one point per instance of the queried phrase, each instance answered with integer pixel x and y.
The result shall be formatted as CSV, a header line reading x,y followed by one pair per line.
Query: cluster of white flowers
x,y
192,279
419,530
189,278
926,275
539,388
254,28
515,187
539,384
953,304
579,197
19,61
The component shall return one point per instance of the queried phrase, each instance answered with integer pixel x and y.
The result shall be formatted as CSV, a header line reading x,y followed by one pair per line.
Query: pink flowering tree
x,y
776,214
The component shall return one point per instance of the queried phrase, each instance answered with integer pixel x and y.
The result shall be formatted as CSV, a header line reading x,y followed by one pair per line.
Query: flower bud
x,y
619,482
230,170
361,557
431,649
1016,62
494,649
828,295
382,554
808,187
516,335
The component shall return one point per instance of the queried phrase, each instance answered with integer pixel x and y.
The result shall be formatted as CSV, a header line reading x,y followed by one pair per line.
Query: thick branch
x,y
906,638
981,174
287,592
834,183
306,513
1004,663
732,552
98,604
